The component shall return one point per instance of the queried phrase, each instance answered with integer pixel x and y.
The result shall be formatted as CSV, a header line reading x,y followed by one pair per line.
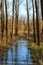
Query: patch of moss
x,y
37,51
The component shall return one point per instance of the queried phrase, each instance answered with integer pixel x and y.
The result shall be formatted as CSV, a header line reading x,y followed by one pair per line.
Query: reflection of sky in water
x,y
22,51
18,53
10,55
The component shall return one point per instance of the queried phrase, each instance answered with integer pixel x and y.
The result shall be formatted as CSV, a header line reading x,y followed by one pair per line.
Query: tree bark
x,y
2,18
12,18
6,21
27,16
16,16
42,13
37,23
33,22
42,8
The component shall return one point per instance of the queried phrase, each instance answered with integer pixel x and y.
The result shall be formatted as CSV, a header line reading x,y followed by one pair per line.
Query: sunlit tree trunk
x,y
2,19
27,16
37,23
6,21
33,22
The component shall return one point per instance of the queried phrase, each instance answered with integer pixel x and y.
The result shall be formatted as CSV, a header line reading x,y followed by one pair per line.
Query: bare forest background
x,y
14,27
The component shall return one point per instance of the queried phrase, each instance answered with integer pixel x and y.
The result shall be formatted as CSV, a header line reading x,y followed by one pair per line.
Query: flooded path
x,y
18,54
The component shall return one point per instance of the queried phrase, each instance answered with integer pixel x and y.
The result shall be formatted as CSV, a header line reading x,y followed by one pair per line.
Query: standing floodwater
x,y
18,54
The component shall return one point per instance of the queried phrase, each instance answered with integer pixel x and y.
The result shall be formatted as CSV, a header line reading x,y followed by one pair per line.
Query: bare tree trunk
x,y
16,23
12,18
27,16
42,13
37,23
6,21
33,22
2,18
16,16
42,8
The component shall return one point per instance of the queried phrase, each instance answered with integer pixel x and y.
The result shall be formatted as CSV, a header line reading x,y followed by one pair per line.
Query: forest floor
x,y
10,39
4,46
37,52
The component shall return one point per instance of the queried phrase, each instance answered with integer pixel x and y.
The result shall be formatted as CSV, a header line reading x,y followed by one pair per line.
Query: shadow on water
x,y
18,54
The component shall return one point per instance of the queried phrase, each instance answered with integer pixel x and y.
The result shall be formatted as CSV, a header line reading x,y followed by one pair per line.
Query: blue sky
x,y
22,9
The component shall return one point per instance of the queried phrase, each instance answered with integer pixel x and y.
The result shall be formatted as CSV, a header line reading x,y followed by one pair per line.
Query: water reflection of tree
x,y
6,58
1,60
16,54
12,55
